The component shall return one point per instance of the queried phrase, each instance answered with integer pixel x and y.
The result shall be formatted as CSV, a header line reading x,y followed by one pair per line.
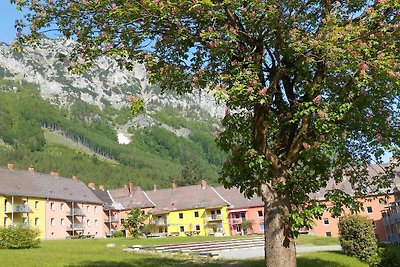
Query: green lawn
x,y
95,252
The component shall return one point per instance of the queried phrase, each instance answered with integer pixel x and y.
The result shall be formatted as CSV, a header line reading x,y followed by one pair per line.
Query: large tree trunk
x,y
280,248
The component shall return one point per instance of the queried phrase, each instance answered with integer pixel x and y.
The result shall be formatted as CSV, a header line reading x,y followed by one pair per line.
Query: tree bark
x,y
280,247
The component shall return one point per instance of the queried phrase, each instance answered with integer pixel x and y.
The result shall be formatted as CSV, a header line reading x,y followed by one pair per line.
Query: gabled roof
x,y
23,183
136,199
237,199
374,171
104,196
185,197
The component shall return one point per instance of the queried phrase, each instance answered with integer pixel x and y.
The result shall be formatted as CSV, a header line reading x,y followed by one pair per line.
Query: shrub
x,y
117,234
16,237
386,256
357,237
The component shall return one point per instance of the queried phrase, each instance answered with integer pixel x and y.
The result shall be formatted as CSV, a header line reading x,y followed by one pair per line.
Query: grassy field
x,y
99,252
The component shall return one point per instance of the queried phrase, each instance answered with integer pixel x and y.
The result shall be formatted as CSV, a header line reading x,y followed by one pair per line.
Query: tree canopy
x,y
311,87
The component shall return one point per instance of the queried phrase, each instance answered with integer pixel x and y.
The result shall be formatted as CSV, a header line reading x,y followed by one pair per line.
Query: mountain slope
x,y
91,111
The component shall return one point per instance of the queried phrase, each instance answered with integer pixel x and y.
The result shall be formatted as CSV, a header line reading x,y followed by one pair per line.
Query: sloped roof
x,y
104,196
185,197
237,199
131,201
374,171
23,183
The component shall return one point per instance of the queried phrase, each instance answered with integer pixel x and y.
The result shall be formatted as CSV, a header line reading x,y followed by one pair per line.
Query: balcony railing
x,y
75,212
76,227
160,222
112,219
237,220
19,208
214,217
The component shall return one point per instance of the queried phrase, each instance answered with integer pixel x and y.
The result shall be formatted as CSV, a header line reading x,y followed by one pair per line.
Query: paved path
x,y
259,251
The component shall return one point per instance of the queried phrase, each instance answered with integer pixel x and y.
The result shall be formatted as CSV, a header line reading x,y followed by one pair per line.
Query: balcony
x,y
76,227
237,220
75,212
23,224
19,209
160,221
214,217
112,219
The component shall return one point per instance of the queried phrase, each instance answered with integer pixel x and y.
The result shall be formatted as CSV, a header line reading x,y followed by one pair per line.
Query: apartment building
x,y
245,215
59,207
391,222
374,204
189,210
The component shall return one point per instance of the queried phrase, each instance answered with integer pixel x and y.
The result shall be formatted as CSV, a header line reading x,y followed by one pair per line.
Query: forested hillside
x,y
81,139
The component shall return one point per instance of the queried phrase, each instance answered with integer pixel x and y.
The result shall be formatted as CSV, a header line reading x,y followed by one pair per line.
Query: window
x,y
62,206
369,209
95,223
182,229
36,221
328,234
260,213
37,205
218,212
5,222
326,221
5,205
95,209
52,205
53,222
382,201
197,227
261,227
196,214
88,222
180,215
62,222
87,208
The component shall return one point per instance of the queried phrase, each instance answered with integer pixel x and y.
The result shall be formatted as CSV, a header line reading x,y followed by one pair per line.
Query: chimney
x,y
10,166
74,177
101,187
31,169
174,186
154,188
92,186
130,188
203,184
54,173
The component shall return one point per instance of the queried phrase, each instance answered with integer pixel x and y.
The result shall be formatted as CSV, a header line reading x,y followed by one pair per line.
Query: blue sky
x,y
8,15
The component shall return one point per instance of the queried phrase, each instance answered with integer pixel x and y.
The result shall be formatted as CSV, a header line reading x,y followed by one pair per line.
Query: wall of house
x,y
59,221
187,223
34,217
256,216
373,207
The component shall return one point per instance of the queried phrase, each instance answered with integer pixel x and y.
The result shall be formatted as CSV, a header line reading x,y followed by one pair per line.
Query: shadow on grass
x,y
334,260
161,262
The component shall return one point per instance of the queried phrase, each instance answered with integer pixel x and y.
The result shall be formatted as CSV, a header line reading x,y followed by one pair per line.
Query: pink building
x,y
117,204
373,205
246,216
62,207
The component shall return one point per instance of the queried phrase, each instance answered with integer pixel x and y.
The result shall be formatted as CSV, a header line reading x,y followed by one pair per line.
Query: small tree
x,y
357,236
135,222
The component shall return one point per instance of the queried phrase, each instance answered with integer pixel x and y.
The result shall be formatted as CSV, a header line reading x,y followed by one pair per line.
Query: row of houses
x,y
67,208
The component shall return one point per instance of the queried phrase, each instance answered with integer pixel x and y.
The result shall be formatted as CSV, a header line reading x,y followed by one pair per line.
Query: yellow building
x,y
23,211
189,210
